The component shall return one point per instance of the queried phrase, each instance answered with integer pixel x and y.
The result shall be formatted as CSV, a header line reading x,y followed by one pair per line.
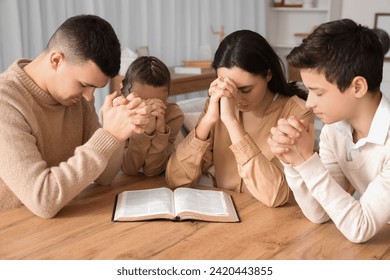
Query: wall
x,y
363,12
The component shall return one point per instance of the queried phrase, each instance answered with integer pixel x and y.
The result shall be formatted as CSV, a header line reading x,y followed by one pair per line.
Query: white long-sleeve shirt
x,y
319,184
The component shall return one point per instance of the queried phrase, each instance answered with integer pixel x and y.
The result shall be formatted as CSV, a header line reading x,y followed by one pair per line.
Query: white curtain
x,y
172,29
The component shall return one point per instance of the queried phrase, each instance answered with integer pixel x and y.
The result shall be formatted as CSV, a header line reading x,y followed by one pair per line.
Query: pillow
x,y
192,108
190,120
192,104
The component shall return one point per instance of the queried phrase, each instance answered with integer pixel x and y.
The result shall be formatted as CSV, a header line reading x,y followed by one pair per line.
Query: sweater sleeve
x,y
115,161
44,189
151,152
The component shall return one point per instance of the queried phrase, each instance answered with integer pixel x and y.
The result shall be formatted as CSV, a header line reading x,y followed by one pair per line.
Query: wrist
x,y
302,159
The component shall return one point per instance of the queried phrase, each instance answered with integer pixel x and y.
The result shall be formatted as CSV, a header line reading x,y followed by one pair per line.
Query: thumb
x,y
109,99
108,102
310,129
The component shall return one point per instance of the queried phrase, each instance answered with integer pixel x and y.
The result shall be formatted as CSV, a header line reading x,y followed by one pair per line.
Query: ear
x,y
359,86
269,75
56,59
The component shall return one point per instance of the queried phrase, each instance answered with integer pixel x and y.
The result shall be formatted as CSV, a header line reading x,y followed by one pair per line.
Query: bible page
x,y
200,201
140,203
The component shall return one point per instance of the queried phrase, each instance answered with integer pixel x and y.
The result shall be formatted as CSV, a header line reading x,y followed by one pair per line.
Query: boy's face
x,y
326,100
150,92
72,82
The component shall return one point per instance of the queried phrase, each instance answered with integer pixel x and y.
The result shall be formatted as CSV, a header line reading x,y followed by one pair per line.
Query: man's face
x,y
72,82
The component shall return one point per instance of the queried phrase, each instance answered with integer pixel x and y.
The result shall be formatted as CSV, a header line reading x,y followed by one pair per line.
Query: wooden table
x,y
84,230
180,83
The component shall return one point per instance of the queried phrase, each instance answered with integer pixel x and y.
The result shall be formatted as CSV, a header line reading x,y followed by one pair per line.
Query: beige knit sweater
x,y
48,152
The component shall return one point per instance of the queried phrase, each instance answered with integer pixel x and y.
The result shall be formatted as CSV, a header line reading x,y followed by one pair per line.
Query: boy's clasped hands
x,y
292,140
134,115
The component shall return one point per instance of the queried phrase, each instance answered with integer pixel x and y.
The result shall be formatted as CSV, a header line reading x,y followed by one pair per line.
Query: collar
x,y
379,128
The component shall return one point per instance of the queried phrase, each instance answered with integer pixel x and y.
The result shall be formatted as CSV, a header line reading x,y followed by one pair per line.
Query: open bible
x,y
180,204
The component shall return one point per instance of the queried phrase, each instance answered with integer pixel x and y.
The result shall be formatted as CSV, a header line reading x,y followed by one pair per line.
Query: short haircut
x,y
147,70
341,50
88,37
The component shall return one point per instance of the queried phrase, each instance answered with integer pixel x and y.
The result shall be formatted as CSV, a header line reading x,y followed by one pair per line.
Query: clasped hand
x,y
157,111
125,117
292,140
222,92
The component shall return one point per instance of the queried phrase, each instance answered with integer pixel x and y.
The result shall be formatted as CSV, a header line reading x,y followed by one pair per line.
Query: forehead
x,y
314,79
89,73
148,92
238,75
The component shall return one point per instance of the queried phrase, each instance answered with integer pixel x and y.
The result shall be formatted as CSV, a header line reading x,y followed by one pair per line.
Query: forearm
x,y
135,153
308,204
264,178
158,154
358,220
235,130
46,190
185,164
113,166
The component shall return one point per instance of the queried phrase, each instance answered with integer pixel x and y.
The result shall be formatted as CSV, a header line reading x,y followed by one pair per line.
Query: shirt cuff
x,y
104,141
197,144
245,149
311,170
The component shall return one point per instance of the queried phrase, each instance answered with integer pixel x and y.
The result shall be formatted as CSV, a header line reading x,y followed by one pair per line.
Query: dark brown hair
x,y
342,50
148,70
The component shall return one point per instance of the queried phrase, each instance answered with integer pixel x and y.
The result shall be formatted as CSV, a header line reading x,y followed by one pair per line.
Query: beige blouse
x,y
248,166
149,153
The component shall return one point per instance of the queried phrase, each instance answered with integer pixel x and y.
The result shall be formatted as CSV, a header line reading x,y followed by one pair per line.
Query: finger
x,y
158,111
285,127
135,102
299,125
109,99
231,86
132,95
120,100
159,103
276,148
282,139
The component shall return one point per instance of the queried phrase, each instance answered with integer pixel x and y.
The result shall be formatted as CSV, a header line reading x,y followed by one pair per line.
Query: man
x,y
51,143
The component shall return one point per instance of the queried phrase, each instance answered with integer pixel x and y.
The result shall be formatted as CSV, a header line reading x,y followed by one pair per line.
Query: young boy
x,y
52,145
341,65
149,78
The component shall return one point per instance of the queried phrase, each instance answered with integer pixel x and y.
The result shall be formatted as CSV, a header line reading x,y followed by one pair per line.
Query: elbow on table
x,y
44,212
318,219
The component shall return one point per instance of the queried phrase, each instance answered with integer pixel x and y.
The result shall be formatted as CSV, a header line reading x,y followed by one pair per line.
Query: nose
x,y
88,93
310,101
239,97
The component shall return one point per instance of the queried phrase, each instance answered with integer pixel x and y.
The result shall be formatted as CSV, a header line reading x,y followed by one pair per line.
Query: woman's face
x,y
251,89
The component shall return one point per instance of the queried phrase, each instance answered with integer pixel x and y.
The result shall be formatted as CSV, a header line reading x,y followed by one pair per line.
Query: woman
x,y
248,97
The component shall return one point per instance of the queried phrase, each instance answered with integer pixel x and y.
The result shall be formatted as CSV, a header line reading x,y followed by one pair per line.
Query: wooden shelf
x,y
289,9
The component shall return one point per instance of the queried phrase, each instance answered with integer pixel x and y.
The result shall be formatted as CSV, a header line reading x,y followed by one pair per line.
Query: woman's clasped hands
x,y
222,92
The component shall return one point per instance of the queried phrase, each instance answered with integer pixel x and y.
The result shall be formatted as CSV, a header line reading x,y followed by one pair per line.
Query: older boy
x,y
341,65
51,143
